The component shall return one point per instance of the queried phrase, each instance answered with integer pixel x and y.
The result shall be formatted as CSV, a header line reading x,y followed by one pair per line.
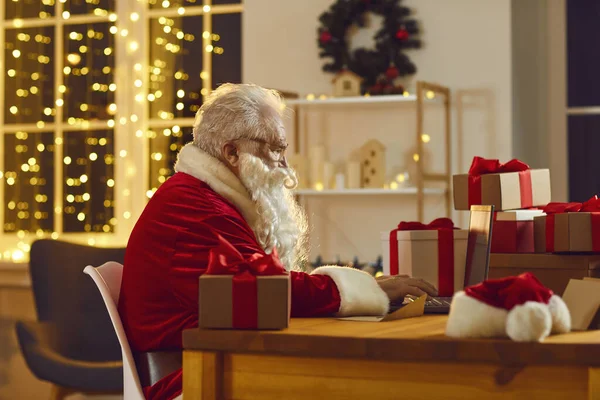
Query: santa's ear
x,y
230,154
561,317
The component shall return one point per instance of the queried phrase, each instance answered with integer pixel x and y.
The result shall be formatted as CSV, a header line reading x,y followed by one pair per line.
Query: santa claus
x,y
233,181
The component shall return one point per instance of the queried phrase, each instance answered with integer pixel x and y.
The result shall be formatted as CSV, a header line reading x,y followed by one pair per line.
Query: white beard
x,y
281,222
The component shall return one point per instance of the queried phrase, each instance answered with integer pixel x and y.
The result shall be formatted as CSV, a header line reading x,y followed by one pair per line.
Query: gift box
x,y
238,293
569,228
513,231
508,186
435,252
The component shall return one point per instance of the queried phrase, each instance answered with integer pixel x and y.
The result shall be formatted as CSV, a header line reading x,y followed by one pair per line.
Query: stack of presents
x,y
555,241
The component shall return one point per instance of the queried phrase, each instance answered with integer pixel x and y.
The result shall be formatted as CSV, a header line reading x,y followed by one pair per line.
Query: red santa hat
x,y
519,307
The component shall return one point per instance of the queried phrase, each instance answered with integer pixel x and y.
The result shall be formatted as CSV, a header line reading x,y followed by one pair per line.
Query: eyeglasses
x,y
278,150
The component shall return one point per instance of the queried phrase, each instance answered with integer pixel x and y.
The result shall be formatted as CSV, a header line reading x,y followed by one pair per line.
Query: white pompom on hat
x,y
519,307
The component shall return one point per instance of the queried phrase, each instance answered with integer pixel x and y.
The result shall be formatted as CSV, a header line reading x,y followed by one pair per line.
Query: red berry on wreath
x,y
325,37
402,34
392,73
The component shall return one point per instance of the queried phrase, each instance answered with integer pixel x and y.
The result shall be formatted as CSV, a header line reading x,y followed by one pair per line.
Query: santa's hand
x,y
398,287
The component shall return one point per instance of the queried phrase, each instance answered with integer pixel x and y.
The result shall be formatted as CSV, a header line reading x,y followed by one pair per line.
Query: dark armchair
x,y
72,344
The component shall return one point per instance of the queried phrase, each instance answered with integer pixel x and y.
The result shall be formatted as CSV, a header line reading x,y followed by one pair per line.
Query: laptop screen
x,y
478,245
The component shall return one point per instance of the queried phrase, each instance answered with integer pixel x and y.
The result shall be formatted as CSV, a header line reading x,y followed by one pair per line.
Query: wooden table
x,y
408,359
553,270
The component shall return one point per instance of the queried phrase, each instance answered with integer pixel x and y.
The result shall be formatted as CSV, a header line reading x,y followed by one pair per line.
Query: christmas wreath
x,y
379,67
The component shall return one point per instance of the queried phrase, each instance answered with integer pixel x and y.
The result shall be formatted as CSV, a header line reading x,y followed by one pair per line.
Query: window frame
x,y
131,121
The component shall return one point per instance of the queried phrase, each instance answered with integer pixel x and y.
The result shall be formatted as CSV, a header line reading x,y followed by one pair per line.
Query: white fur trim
x,y
471,318
359,292
561,317
529,322
193,161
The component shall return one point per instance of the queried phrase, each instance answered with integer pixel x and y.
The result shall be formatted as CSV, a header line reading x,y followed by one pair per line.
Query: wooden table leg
x,y
202,375
594,383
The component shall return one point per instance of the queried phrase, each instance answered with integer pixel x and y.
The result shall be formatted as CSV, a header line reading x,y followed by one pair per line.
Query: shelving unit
x,y
372,192
423,177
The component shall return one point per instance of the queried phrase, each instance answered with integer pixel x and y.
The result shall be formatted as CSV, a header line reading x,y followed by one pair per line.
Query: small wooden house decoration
x,y
346,84
372,161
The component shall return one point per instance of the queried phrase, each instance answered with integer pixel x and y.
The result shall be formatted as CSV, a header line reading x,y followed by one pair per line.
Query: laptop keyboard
x,y
439,302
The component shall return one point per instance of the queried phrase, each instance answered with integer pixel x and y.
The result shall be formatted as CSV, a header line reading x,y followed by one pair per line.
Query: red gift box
x,y
513,231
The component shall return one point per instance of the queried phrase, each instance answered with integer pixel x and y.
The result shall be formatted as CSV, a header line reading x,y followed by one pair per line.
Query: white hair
x,y
235,111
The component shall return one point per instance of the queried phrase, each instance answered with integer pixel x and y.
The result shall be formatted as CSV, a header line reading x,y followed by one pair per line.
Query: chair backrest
x,y
108,280
68,299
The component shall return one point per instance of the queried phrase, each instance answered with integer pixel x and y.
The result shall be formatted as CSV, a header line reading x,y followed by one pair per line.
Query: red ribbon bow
x,y
445,228
591,206
482,166
225,259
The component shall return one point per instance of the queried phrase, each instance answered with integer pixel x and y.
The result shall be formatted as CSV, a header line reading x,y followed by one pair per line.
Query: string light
x,y
87,95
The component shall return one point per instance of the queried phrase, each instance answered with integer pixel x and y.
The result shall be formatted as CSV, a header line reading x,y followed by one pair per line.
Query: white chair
x,y
108,279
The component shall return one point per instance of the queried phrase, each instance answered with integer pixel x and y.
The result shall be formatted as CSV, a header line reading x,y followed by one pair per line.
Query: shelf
x,y
358,192
393,98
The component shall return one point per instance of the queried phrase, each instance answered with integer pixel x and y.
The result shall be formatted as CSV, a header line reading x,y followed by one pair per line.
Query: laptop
x,y
478,257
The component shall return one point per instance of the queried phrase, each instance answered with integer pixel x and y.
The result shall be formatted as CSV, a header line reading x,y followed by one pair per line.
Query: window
x,y
99,95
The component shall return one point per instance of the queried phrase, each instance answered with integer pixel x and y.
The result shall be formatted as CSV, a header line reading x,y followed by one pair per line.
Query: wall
x,y
539,88
467,46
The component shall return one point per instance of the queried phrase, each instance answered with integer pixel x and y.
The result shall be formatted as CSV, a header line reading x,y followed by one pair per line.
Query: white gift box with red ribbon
x,y
438,256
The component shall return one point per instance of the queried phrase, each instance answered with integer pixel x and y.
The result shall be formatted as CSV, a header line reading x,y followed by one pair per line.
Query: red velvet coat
x,y
168,250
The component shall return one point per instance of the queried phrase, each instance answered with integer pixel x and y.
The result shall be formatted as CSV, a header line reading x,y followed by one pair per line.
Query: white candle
x,y
354,175
340,181
317,161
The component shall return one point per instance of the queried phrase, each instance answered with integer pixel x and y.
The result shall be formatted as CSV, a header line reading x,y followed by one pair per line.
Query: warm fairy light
x,y
206,9
123,153
416,157
133,118
181,11
17,22
122,120
137,67
110,183
124,32
206,34
59,102
180,93
84,178
405,94
209,48
110,123
66,15
430,94
112,17
93,157
16,53
134,16
139,98
166,3
74,58
133,46
319,186
112,87
138,83
401,178
67,160
113,29
425,138
394,185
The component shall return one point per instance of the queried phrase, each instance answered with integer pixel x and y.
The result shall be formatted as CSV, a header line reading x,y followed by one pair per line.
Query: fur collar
x,y
193,161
